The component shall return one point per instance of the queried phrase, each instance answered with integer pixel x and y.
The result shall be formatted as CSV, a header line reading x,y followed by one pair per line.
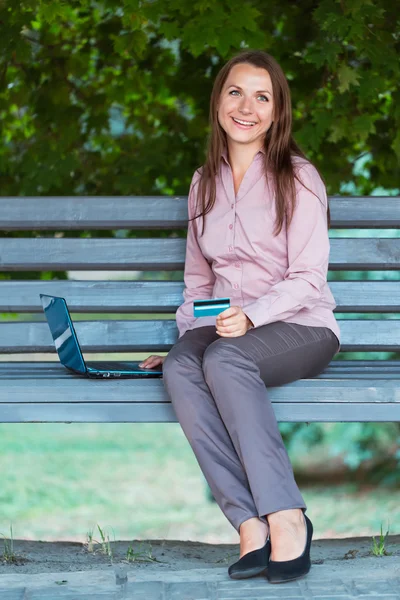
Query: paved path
x,y
367,578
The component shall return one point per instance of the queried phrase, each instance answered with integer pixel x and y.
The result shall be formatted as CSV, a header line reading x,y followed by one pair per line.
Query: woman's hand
x,y
233,322
152,361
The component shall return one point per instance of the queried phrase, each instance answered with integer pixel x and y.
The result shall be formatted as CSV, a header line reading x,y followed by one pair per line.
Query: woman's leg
x,y
201,422
237,371
306,350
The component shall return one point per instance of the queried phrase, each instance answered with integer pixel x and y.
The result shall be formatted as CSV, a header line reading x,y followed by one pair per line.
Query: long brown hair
x,y
279,143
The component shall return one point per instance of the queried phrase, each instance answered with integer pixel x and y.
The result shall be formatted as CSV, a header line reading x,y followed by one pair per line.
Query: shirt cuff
x,y
251,321
255,314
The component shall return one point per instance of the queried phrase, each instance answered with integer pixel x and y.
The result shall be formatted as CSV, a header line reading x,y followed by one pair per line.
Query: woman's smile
x,y
242,125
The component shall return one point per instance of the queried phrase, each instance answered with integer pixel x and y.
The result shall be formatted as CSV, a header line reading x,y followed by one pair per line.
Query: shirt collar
x,y
224,153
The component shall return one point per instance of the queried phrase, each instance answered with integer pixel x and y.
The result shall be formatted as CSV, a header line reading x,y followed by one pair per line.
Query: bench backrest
x,y
52,250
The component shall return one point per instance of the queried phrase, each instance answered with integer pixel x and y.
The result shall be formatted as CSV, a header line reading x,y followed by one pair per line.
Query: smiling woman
x,y
247,106
266,248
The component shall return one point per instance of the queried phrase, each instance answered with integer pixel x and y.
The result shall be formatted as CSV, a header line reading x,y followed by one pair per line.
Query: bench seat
x,y
344,391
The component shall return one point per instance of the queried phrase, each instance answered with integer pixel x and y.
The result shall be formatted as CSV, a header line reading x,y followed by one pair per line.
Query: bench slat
x,y
96,296
74,388
339,369
376,365
165,296
152,336
158,212
114,412
146,254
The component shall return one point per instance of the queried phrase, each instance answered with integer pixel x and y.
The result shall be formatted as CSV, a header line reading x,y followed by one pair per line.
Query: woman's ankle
x,y
252,527
293,515
253,535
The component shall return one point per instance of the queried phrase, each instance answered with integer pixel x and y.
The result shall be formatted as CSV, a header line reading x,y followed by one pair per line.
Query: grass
x,y
142,479
105,542
8,554
140,555
378,548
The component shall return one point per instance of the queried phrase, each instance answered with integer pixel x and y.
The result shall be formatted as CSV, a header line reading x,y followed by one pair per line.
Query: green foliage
x,y
375,445
112,98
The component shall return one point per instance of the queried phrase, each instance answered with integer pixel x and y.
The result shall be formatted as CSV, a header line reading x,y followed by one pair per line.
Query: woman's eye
x,y
260,96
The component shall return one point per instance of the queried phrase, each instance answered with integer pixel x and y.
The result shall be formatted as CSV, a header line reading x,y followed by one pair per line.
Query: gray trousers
x,y
217,386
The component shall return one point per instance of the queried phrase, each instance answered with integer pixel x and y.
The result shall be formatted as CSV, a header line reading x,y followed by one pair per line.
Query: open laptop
x,y
69,351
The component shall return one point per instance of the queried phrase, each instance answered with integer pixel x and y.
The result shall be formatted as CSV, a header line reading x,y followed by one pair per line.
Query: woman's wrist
x,y
250,323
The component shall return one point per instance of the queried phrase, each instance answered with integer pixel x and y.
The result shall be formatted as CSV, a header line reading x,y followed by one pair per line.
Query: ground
x,y
53,557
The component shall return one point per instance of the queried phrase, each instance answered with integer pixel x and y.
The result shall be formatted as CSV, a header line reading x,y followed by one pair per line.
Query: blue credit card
x,y
208,308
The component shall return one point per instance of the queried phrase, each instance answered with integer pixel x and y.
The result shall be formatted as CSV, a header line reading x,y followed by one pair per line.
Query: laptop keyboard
x,y
117,366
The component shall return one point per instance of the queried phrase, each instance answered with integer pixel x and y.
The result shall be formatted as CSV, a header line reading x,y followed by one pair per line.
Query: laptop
x,y
70,353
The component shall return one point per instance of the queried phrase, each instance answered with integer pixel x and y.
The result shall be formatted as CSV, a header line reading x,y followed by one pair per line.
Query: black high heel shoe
x,y
287,570
252,564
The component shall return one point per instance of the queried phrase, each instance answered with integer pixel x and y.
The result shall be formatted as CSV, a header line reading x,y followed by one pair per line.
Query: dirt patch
x,y
52,557
39,557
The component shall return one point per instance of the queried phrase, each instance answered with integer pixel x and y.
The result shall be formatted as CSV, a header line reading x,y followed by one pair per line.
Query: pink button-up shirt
x,y
282,278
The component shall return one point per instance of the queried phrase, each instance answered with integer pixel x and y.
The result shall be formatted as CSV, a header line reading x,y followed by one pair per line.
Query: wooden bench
x,y
348,390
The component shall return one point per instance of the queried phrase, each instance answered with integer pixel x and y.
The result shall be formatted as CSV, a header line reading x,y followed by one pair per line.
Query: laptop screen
x,y
63,333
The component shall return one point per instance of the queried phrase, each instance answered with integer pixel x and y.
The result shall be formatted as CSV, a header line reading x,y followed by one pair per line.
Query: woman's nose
x,y
246,106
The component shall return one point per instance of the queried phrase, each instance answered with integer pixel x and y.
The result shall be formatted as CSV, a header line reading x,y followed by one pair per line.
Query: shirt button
x,y
230,226
230,248
237,265
235,285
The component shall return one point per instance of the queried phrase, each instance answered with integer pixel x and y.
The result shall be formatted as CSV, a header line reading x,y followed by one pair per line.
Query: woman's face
x,y
247,96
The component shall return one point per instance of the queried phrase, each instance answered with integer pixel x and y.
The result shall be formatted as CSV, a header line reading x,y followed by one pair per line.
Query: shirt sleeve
x,y
308,250
199,278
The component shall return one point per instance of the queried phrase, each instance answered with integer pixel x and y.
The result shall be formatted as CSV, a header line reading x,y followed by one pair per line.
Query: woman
x,y
265,245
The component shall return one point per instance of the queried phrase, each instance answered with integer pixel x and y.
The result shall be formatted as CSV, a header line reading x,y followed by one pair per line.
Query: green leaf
x,y
338,131
347,76
53,11
170,29
364,125
320,53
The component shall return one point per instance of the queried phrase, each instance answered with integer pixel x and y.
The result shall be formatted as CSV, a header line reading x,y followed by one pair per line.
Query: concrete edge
x,y
369,568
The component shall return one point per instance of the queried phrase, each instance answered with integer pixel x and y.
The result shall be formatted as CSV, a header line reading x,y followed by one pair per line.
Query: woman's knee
x,y
170,362
219,355
179,356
